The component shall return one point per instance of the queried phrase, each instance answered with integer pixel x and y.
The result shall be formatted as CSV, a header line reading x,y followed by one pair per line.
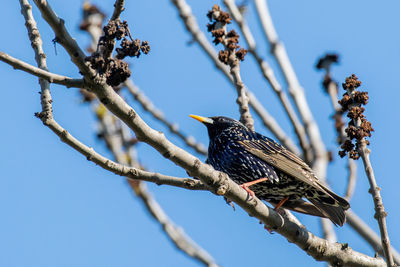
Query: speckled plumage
x,y
247,156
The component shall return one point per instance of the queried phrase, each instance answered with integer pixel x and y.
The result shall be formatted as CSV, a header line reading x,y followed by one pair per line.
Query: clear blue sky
x,y
58,209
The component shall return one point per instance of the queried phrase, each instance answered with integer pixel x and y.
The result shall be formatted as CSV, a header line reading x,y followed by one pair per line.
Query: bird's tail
x,y
335,213
324,203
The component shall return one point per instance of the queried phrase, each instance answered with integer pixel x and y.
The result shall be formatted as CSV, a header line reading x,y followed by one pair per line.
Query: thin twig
x,y
296,91
278,50
231,56
118,8
64,38
380,213
267,119
358,129
268,74
41,73
369,235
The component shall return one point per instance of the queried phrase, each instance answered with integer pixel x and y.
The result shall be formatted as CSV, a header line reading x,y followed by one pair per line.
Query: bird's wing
x,y
287,162
280,158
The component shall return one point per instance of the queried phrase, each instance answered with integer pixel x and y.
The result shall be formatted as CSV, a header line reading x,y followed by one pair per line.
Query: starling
x,y
275,174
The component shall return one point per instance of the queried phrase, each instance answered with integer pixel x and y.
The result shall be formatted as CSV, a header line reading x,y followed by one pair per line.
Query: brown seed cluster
x,y
219,19
359,127
115,70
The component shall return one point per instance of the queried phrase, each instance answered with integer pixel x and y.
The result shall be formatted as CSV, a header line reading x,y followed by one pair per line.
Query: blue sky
x,y
58,209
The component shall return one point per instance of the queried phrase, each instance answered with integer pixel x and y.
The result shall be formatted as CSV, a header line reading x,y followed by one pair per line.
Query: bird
x,y
274,174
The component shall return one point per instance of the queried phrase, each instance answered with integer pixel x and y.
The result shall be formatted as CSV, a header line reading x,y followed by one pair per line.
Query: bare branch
x,y
64,38
158,115
231,56
123,170
296,91
115,140
380,212
358,129
267,119
50,77
118,8
175,233
268,74
369,235
93,27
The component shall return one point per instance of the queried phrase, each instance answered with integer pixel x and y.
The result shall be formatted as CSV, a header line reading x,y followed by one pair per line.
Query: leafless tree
x,y
105,74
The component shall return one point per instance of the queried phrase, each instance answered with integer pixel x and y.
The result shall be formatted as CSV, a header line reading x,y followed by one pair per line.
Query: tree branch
x,y
296,91
369,235
175,233
118,9
40,73
231,56
115,139
358,129
380,212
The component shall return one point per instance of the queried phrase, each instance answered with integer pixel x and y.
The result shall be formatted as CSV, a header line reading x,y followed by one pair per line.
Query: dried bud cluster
x,y
359,127
132,48
115,70
230,40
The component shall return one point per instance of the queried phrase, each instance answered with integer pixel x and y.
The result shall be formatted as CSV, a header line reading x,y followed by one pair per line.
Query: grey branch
x,y
278,50
118,8
64,38
234,63
41,73
115,139
318,248
296,91
95,31
267,119
369,235
268,74
380,213
175,233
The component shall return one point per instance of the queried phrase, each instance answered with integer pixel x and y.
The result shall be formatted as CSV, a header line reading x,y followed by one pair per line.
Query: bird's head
x,y
216,125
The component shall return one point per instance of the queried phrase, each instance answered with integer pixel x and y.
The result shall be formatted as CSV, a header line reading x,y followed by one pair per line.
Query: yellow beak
x,y
202,119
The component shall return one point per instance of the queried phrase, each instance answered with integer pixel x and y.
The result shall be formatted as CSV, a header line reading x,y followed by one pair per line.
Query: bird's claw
x,y
248,190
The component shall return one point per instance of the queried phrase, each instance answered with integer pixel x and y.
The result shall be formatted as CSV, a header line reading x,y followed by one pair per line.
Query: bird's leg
x,y
246,186
230,202
281,202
